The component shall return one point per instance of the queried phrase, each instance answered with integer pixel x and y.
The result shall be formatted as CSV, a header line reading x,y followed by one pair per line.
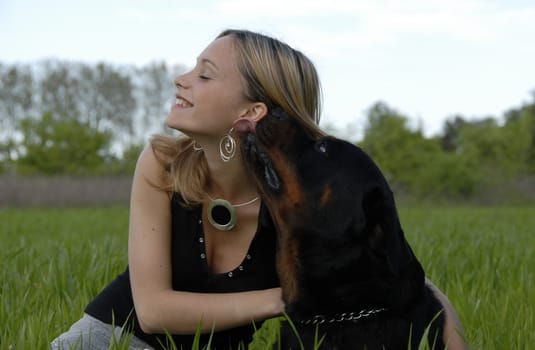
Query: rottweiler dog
x,y
349,277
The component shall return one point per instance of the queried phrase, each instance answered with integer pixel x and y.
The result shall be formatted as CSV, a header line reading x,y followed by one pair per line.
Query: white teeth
x,y
182,103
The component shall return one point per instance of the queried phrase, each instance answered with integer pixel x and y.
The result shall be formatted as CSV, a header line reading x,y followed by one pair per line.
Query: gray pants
x,y
91,334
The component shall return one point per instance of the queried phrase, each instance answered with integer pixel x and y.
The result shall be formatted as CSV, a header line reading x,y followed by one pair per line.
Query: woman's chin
x,y
180,127
176,123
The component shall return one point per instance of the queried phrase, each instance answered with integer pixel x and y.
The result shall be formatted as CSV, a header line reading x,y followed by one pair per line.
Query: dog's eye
x,y
321,146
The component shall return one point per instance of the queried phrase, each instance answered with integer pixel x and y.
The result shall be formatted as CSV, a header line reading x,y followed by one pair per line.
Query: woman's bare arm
x,y
159,308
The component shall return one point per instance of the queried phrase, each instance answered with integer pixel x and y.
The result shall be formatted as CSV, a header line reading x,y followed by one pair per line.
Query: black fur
x,y
341,245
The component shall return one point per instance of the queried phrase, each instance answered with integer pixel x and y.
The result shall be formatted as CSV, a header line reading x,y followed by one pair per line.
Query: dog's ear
x,y
385,235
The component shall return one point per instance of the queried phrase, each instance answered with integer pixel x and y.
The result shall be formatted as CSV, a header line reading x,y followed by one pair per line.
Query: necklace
x,y
222,214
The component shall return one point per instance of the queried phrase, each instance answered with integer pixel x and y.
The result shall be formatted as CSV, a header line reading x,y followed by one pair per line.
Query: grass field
x,y
55,260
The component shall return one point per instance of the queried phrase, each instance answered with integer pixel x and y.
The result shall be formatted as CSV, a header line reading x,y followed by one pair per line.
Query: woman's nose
x,y
178,83
181,82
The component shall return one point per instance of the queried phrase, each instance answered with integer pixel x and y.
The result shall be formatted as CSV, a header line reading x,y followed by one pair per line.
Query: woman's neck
x,y
230,181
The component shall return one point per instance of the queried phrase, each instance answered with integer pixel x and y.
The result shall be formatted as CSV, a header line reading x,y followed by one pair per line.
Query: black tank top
x,y
114,305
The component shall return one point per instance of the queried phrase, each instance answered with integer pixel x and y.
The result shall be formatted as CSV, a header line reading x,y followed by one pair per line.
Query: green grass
x,y
55,260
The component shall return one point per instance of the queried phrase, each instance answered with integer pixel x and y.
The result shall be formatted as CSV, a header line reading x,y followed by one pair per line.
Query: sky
x,y
429,60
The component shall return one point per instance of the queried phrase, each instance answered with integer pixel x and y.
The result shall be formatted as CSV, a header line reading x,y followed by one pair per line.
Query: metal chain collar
x,y
345,316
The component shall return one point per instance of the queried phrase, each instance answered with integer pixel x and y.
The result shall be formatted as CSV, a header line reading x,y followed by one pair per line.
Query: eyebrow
x,y
208,61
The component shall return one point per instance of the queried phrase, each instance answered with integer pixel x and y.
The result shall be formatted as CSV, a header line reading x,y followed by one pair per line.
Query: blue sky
x,y
427,59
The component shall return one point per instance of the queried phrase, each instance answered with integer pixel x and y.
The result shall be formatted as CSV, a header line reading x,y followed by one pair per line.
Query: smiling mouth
x,y
182,103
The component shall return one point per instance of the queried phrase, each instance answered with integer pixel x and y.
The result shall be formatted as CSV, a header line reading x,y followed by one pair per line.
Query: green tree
x,y
501,151
62,146
522,122
397,149
450,133
126,163
107,99
448,176
414,162
7,150
122,100
16,91
59,89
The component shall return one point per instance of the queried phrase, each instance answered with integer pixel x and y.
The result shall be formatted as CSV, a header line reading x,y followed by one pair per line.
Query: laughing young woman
x,y
201,249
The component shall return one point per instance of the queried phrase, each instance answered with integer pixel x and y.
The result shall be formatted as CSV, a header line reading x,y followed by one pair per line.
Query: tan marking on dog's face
x,y
291,185
281,206
287,267
326,195
287,260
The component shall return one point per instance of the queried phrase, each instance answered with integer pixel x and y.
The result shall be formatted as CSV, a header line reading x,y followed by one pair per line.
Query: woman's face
x,y
209,97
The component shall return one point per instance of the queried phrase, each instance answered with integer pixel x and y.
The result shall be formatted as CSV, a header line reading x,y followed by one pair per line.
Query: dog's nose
x,y
279,113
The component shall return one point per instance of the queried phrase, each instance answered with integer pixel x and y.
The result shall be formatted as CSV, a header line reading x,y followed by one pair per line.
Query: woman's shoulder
x,y
151,169
148,162
163,149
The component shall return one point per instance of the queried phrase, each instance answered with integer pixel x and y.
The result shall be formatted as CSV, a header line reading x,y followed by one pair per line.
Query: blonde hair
x,y
272,73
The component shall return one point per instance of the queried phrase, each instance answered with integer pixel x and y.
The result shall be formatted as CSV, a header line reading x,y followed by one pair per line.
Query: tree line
x,y
60,117
484,158
73,118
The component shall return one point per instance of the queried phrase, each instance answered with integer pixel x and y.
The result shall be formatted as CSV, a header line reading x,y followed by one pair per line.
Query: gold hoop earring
x,y
227,147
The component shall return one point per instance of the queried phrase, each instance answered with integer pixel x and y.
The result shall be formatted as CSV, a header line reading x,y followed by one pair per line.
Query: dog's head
x,y
328,190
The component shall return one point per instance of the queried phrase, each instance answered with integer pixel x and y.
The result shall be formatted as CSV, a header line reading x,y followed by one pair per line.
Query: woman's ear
x,y
255,112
